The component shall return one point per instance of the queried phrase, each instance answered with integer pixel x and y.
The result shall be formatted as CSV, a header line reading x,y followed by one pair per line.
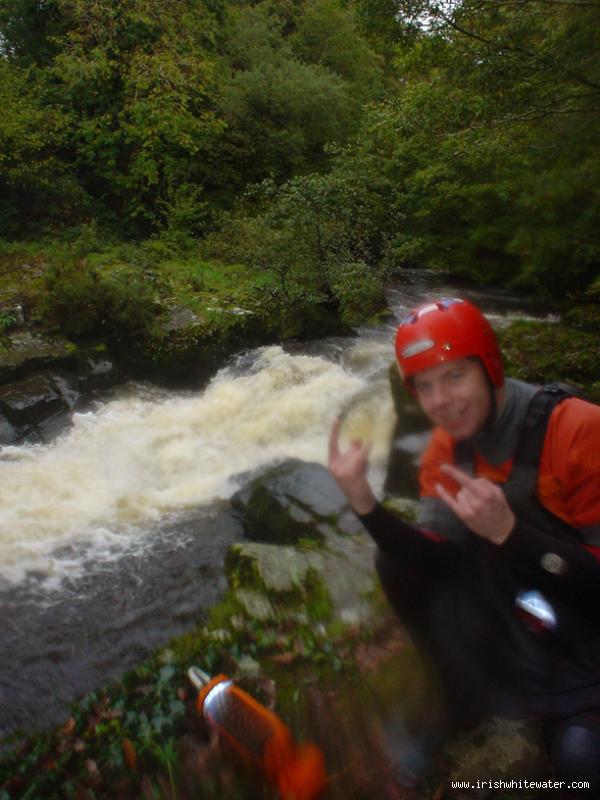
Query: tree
x,y
282,104
488,151
137,75
35,186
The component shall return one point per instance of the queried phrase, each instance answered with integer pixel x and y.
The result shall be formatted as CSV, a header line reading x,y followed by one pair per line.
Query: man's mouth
x,y
453,420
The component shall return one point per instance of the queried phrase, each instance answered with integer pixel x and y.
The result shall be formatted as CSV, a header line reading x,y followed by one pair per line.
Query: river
x,y
112,537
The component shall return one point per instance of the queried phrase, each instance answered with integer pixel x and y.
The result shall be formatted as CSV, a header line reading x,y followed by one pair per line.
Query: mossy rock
x,y
294,502
270,569
24,352
404,507
27,401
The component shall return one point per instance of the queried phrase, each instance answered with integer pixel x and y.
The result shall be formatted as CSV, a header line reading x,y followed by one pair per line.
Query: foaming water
x,y
113,538
139,458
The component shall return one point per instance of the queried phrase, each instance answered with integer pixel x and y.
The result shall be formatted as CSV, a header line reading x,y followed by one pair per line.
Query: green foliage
x,y
328,35
7,320
150,115
480,160
35,186
138,76
281,101
84,302
459,137
544,352
310,240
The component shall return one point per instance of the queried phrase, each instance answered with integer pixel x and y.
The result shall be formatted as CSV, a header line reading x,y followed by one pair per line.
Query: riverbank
x,y
103,731
304,629
162,310
81,314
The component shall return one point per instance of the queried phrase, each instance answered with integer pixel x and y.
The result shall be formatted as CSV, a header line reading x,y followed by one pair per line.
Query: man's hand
x,y
480,504
350,470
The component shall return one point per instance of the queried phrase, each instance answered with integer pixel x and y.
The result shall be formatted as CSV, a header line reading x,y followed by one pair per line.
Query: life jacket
x,y
567,648
520,487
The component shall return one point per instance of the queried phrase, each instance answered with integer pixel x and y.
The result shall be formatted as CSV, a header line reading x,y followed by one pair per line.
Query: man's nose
x,y
439,395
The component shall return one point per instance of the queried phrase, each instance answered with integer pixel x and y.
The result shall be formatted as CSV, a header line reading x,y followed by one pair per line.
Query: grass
x,y
130,297
181,278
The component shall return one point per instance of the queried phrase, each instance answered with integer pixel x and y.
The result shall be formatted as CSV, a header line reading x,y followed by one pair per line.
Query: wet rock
x,y
24,352
36,404
299,502
8,434
25,402
274,569
272,579
294,501
96,372
180,319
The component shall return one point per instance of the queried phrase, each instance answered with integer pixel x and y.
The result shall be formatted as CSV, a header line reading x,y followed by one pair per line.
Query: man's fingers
x,y
477,486
445,495
459,476
334,437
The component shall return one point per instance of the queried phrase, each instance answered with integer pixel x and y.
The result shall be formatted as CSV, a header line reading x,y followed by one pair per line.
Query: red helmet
x,y
445,330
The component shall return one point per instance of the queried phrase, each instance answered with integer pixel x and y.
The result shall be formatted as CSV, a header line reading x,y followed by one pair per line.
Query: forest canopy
x,y
323,138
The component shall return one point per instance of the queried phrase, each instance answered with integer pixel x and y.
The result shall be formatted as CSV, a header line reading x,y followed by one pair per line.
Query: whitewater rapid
x,y
150,453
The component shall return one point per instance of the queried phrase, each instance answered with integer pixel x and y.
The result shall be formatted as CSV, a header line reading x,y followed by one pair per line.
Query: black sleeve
x,y
401,541
562,567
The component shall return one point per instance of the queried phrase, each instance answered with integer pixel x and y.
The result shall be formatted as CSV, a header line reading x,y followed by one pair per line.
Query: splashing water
x,y
139,458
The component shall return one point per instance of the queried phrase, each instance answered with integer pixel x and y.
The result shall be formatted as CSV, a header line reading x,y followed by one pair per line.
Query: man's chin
x,y
458,433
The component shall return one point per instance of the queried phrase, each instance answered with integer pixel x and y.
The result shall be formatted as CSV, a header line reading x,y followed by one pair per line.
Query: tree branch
x,y
506,47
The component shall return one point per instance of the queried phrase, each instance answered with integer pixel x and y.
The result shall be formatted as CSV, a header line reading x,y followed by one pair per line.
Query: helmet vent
x,y
417,347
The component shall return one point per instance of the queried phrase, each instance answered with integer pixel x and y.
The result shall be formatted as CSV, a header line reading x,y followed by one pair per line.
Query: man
x,y
499,584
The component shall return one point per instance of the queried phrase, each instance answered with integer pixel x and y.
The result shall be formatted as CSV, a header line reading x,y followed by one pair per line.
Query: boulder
x,y
26,402
293,501
42,380
330,568
24,352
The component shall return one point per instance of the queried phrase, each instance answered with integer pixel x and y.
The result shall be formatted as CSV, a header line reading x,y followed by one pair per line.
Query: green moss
x,y
543,352
222,614
242,570
407,509
316,598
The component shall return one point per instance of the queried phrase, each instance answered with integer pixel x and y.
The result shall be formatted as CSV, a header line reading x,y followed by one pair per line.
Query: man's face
x,y
455,396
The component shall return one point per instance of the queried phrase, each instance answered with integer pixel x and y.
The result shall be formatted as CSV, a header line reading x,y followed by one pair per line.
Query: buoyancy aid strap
x,y
520,488
528,450
531,441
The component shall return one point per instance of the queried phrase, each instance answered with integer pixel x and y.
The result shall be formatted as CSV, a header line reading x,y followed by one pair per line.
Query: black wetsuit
x,y
464,601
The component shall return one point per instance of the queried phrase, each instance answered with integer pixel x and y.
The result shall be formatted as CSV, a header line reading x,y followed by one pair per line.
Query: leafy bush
x,y
7,320
543,352
358,290
83,301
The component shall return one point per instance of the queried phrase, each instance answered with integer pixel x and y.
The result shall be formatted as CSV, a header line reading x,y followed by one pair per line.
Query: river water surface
x,y
112,537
